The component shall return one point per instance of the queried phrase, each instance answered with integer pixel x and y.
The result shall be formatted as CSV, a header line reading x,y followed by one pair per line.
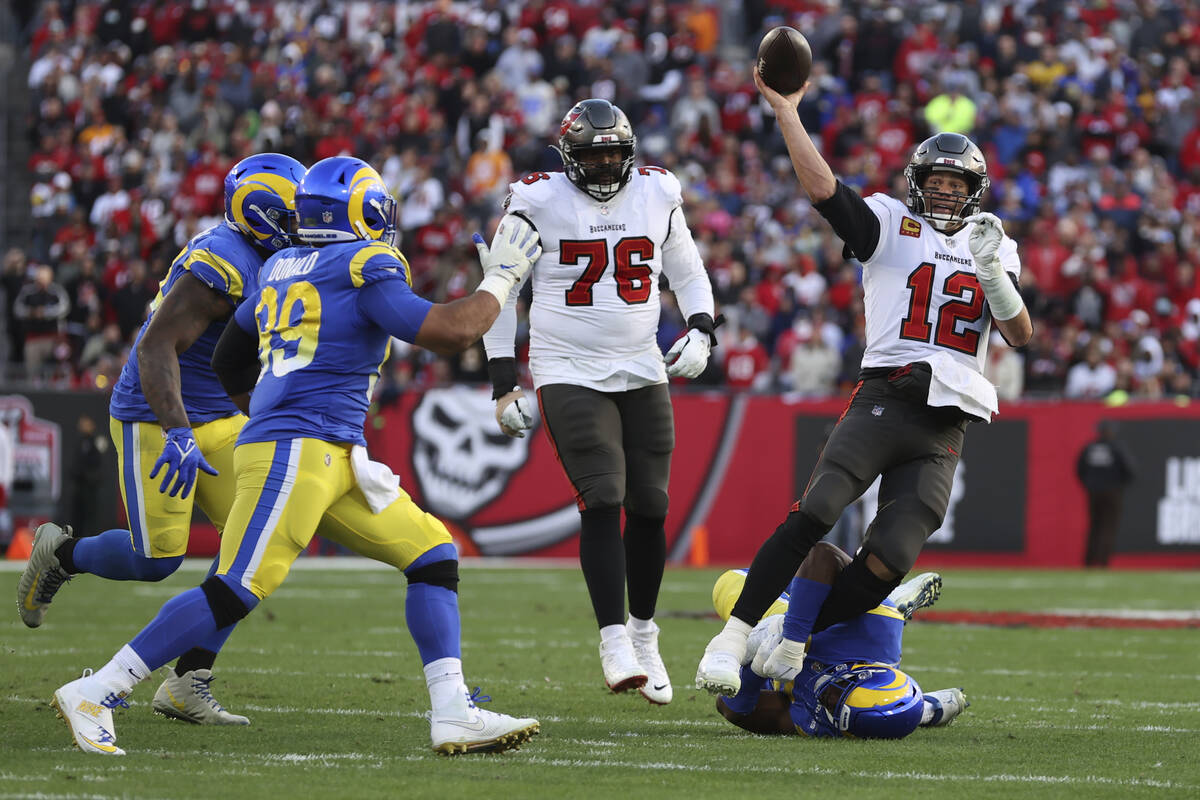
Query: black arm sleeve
x,y
852,220
235,360
503,374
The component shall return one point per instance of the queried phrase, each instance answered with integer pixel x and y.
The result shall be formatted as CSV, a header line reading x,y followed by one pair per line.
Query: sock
x,y
183,621
196,658
645,558
602,559
856,590
732,637
804,603
611,632
432,616
747,697
447,691
65,553
776,563
927,712
111,555
641,625
124,671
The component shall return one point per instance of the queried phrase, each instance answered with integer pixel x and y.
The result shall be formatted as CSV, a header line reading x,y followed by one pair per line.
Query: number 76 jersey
x,y
922,298
594,318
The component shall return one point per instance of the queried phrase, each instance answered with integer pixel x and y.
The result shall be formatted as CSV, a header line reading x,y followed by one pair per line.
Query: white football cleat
x,y
622,671
189,697
919,592
947,704
720,672
43,575
476,730
86,706
657,688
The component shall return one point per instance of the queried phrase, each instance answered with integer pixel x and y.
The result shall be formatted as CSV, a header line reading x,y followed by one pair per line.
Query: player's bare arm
x,y
450,328
812,170
235,362
770,716
185,313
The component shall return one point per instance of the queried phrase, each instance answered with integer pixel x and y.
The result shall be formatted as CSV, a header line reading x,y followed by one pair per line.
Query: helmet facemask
x,y
924,202
591,133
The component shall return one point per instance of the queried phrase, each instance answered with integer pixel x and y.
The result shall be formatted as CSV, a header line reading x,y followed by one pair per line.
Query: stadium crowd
x,y
1086,110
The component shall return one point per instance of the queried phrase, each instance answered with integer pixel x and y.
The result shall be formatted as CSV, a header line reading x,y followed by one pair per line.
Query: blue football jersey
x,y
320,352
871,637
224,261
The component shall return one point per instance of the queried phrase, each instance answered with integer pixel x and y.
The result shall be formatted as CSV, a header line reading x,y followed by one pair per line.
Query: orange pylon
x,y
698,554
21,546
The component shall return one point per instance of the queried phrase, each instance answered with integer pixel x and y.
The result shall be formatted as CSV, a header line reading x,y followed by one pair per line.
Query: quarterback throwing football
x,y
608,230
936,273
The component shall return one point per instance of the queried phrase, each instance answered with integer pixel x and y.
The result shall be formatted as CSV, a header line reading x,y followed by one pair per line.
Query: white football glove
x,y
984,241
514,248
688,357
765,637
785,661
513,413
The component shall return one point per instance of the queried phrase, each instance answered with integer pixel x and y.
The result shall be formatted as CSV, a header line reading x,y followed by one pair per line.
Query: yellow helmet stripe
x,y
366,178
249,183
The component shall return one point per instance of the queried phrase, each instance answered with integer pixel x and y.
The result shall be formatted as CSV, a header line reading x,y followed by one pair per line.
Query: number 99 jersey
x,y
320,353
594,318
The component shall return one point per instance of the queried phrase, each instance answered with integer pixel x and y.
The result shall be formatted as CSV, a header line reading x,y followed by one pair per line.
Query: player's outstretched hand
x,y
183,459
513,413
514,249
984,239
776,99
688,357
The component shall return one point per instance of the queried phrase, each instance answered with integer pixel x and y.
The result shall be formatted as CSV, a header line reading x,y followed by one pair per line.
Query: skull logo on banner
x,y
462,460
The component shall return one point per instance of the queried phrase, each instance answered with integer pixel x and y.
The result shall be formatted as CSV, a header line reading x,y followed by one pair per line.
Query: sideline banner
x,y
742,460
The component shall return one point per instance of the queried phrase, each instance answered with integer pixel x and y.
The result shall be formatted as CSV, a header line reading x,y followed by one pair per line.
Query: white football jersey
x,y
924,303
594,318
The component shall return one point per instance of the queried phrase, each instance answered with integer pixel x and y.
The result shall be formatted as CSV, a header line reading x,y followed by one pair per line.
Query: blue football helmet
x,y
260,198
342,199
869,701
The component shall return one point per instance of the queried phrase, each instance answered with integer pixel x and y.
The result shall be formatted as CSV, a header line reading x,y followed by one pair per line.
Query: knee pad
x,y
155,569
831,490
600,492
227,607
898,533
439,573
646,501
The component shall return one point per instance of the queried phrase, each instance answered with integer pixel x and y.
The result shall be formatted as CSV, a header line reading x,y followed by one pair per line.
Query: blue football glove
x,y
182,458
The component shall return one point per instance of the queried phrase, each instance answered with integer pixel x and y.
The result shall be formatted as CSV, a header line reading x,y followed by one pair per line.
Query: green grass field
x,y
328,674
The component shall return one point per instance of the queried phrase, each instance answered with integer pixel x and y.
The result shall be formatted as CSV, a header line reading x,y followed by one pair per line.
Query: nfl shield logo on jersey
x,y
877,411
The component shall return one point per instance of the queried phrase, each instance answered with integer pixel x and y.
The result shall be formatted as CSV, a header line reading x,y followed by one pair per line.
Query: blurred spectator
x,y
41,306
1104,468
814,365
1091,378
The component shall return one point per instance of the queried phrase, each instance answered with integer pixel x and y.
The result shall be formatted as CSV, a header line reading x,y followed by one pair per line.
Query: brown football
x,y
784,59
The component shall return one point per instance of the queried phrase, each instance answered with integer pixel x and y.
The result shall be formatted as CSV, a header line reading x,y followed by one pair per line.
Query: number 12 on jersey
x,y
946,332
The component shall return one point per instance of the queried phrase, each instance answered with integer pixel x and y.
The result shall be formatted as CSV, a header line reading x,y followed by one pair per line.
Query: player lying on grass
x,y
850,684
313,337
